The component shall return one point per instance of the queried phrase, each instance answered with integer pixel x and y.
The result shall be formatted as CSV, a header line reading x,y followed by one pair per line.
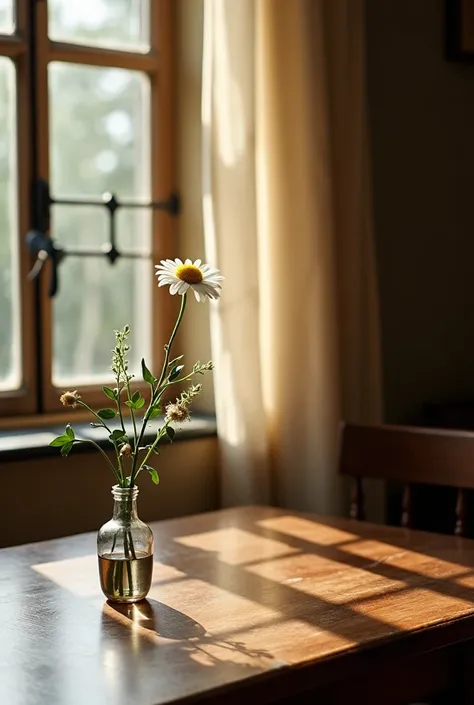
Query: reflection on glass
x,y
7,17
120,24
99,119
94,299
10,361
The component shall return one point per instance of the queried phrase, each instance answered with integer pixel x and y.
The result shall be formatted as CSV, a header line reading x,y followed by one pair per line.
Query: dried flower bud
x,y
177,412
70,399
126,449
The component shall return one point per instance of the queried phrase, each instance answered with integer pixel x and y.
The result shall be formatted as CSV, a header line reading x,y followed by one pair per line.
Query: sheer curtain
x,y
287,217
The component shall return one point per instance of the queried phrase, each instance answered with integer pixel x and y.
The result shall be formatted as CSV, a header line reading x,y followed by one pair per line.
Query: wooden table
x,y
252,605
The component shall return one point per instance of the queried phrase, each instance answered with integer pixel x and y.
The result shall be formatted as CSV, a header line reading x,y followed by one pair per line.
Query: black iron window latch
x,y
40,244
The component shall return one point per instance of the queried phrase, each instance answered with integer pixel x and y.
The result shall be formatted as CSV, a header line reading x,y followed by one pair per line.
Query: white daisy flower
x,y
180,277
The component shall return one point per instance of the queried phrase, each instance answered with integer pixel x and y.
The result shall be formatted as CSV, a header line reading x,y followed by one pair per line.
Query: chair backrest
x,y
410,455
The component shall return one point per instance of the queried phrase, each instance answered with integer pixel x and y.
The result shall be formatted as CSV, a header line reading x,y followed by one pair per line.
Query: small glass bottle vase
x,y
125,550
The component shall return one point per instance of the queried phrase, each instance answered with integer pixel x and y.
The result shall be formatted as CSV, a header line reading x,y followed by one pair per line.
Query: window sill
x,y
31,443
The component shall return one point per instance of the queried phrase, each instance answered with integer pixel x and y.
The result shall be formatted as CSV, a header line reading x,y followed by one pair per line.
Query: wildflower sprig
x,y
131,455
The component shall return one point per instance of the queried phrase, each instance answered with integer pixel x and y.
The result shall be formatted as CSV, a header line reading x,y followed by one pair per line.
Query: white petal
x,y
212,273
178,262
188,261
174,287
183,288
166,270
197,263
210,286
198,296
199,289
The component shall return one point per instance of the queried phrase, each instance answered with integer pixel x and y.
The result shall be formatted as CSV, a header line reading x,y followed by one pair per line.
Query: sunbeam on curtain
x,y
287,218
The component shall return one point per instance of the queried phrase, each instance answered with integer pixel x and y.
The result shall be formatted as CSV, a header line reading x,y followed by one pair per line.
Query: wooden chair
x,y
412,456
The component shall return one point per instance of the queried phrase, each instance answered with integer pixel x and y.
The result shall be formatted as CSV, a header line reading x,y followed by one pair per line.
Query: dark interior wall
x,y
422,130
63,496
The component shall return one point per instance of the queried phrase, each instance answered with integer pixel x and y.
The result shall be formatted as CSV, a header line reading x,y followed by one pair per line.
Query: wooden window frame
x,y
38,394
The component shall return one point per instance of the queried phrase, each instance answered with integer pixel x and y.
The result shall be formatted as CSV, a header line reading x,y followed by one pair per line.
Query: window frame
x,y
32,51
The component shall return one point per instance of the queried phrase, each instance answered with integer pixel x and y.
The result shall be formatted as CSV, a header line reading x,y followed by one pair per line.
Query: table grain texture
x,y
251,603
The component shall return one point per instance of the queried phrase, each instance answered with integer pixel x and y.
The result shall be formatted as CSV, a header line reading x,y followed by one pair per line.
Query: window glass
x,y
10,357
121,24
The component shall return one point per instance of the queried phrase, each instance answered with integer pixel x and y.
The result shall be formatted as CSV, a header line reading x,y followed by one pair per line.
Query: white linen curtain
x,y
287,218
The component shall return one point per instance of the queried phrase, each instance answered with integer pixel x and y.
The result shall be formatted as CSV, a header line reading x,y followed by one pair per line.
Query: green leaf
x,y
60,441
136,402
109,392
106,413
154,475
175,372
180,357
156,411
118,435
66,448
147,375
170,432
70,433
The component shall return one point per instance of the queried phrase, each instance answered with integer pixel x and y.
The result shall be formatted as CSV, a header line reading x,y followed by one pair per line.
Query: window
x,y
86,170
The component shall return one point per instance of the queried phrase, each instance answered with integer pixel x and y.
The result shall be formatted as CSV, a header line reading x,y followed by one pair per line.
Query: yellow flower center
x,y
189,273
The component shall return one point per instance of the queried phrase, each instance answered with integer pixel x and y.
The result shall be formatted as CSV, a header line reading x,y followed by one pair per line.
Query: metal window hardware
x,y
40,244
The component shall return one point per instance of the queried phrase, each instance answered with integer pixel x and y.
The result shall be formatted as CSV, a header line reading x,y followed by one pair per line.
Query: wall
x,y
422,130
63,496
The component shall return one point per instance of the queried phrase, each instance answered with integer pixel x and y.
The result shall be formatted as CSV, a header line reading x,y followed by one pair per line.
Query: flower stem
x,y
88,440
118,401
132,413
159,436
104,425
101,421
170,343
156,395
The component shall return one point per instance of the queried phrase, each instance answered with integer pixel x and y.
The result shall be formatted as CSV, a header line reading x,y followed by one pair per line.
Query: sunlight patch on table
x,y
426,606
378,553
80,575
283,637
325,578
237,546
308,530
216,608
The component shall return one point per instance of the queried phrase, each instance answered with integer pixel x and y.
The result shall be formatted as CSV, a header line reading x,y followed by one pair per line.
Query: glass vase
x,y
125,550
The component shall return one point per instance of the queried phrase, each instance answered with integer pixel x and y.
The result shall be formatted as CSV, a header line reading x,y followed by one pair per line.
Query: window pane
x,y
79,226
121,24
134,229
7,17
94,299
100,140
10,369
89,227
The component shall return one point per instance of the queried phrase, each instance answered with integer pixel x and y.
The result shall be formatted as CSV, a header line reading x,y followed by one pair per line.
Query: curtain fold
x,y
287,218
